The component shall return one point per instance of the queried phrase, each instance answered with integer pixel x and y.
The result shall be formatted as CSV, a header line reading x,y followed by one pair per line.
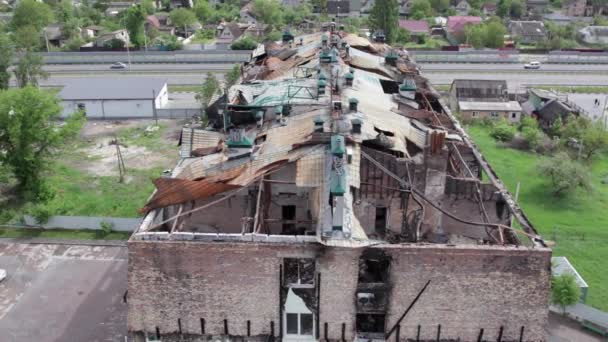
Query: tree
x,y
182,17
27,38
268,11
320,6
403,36
494,34
29,70
564,291
232,76
503,9
565,174
517,9
475,35
203,10
502,131
440,6
385,16
210,87
29,137
134,22
7,50
421,9
64,11
148,6
592,136
32,13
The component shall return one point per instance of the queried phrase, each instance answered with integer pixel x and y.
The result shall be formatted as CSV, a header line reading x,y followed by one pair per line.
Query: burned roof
x,y
307,144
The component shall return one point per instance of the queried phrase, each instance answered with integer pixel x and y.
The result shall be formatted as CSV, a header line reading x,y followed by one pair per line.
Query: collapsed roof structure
x,y
334,196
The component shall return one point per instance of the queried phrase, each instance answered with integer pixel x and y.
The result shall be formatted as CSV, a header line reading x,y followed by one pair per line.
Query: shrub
x,y
106,227
565,174
564,291
41,213
244,43
533,137
502,131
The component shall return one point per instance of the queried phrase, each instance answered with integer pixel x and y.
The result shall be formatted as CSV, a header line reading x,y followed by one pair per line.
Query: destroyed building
x,y
334,197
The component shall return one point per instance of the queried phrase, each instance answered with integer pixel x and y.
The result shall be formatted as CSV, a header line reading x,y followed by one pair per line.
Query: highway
x,y
437,73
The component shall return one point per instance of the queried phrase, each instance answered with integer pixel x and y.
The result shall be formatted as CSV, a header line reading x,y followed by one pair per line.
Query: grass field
x,y
578,224
577,89
183,88
83,234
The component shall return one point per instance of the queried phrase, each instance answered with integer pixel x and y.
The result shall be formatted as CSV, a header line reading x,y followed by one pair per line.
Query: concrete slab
x,y
63,293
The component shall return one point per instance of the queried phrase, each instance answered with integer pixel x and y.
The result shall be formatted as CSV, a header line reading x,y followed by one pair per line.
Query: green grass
x,y
577,223
577,89
183,88
430,43
442,87
82,234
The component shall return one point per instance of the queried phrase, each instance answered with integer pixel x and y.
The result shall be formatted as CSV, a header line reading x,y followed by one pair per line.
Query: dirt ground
x,y
101,151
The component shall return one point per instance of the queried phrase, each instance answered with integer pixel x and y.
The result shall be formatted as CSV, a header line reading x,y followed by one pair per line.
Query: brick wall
x,y
471,288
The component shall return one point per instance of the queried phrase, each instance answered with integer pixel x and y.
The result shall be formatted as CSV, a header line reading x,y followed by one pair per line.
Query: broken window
x,y
380,224
370,323
389,87
299,323
299,271
288,214
374,266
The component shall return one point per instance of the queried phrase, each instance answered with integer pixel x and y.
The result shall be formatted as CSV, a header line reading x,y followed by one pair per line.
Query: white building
x,y
113,98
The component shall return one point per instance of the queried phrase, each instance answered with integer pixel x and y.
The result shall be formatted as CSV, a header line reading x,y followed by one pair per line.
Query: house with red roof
x,y
456,25
416,28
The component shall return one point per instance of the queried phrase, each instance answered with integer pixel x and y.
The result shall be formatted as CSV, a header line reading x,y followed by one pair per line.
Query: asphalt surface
x,y
57,293
510,67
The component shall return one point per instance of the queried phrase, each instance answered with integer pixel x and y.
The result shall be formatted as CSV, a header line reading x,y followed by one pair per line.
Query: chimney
x,y
352,104
321,87
391,58
319,124
348,78
356,125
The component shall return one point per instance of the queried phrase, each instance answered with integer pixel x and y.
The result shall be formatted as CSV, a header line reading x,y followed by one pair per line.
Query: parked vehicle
x,y
118,65
2,274
532,65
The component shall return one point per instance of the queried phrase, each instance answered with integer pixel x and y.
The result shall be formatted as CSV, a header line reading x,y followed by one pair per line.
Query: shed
x,y
117,97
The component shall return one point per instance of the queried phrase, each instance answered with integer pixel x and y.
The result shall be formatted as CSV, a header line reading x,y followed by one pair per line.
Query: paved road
x,y
149,67
510,67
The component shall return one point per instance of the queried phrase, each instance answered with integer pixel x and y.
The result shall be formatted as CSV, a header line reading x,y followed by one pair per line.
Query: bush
x,y
273,36
244,43
502,131
41,213
533,137
565,174
106,227
564,291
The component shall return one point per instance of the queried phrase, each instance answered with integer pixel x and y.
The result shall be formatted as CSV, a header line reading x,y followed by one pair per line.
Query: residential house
x,y
54,35
456,26
488,9
577,8
91,31
546,106
537,6
477,91
594,34
508,110
405,7
562,19
338,8
229,33
257,30
418,29
160,22
463,8
247,16
103,39
116,7
528,32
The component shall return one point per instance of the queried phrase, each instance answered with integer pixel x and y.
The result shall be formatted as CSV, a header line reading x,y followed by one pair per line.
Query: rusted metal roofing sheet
x,y
194,139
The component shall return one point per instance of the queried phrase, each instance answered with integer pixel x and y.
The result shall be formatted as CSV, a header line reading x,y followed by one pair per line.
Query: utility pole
x,y
121,162
154,106
46,40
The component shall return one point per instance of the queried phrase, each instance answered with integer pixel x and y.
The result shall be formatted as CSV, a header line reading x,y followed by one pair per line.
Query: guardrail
x,y
104,57
506,56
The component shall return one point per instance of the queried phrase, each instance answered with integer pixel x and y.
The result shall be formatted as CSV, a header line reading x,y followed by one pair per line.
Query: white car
x,y
118,65
532,65
2,274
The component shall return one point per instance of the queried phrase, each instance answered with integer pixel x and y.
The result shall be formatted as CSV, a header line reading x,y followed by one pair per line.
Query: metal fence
x,y
511,56
200,56
178,113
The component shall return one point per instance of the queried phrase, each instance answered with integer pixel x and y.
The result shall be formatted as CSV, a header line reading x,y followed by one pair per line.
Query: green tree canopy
x,y
421,9
233,76
32,13
494,34
385,16
564,291
29,136
269,12
592,136
134,22
182,17
244,43
203,10
440,6
64,11
7,50
210,87
503,9
517,9
148,6
565,174
29,70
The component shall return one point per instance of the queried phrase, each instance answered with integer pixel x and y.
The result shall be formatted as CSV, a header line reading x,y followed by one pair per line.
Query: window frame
x,y
299,317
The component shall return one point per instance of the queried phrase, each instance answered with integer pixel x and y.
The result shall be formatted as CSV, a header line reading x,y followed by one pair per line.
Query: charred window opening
x,y
299,271
374,266
370,323
412,149
288,214
389,87
380,223
501,207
